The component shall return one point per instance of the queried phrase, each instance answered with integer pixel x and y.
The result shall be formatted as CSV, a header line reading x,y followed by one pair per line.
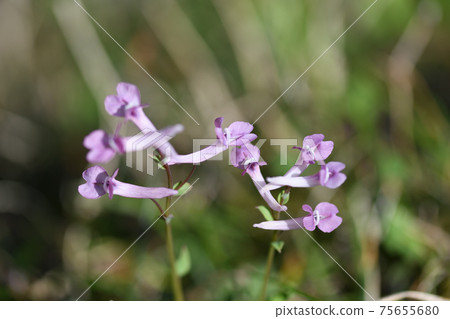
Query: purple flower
x,y
315,149
246,157
99,183
324,217
328,176
127,104
238,133
103,146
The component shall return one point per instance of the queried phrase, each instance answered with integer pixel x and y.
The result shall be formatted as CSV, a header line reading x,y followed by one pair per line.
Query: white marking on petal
x,y
310,150
250,161
327,174
129,106
106,184
112,143
317,217
227,135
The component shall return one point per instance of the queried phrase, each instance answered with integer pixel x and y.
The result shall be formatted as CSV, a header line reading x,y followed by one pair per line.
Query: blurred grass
x,y
381,94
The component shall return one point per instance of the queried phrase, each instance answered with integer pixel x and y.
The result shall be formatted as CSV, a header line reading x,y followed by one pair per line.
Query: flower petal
x,y
95,139
239,129
313,139
115,173
313,150
118,144
336,180
308,223
300,181
327,209
218,122
100,155
134,191
258,180
91,191
335,166
199,156
171,131
154,139
307,209
218,129
114,106
330,176
129,93
284,225
95,174
137,115
317,138
298,168
324,174
324,149
236,157
250,151
245,139
329,224
98,144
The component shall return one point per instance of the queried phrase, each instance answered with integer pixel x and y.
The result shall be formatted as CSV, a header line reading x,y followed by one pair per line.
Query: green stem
x,y
161,211
187,177
175,279
169,185
269,261
271,253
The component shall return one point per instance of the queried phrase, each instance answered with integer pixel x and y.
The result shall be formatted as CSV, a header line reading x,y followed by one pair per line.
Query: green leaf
x,y
278,245
265,212
157,159
183,189
183,262
283,197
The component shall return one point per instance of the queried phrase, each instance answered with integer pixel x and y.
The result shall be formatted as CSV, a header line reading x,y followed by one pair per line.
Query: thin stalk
x,y
175,279
271,253
169,185
187,177
161,211
269,260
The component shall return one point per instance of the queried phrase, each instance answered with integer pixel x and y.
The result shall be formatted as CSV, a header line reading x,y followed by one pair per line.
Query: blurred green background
x,y
381,93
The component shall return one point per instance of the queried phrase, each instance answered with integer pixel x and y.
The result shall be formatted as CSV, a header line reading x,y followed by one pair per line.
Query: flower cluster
x,y
246,157
237,137
313,151
103,147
